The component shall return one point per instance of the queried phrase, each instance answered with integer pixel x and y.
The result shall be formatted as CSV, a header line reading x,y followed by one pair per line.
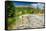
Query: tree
x,y
10,8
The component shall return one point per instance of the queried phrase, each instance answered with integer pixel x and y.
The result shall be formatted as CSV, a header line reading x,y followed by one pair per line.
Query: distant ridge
x,y
23,6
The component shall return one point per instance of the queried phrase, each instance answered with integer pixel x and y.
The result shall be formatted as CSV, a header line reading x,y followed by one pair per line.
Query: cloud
x,y
39,5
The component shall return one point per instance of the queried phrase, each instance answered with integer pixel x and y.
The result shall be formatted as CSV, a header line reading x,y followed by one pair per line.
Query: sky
x,y
23,3
33,4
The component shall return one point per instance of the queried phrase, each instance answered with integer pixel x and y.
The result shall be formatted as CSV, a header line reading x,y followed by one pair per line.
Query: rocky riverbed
x,y
29,21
